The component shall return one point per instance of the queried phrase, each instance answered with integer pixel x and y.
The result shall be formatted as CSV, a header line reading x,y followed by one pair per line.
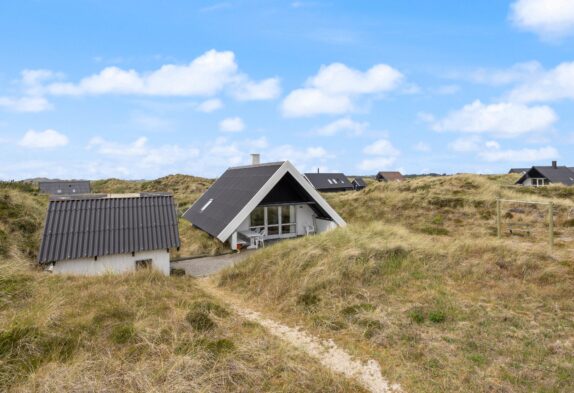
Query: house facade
x,y
271,201
97,234
539,176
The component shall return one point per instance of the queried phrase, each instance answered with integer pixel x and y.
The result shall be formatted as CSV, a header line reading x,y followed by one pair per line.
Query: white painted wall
x,y
325,225
119,263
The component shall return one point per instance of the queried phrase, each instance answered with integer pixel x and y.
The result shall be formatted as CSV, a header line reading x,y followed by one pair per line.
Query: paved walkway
x,y
206,266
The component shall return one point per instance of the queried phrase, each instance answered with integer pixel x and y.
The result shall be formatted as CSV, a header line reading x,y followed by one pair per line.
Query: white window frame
x,y
538,181
280,223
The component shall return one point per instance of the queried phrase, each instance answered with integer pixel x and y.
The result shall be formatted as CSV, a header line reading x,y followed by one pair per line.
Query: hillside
x,y
419,281
137,333
23,212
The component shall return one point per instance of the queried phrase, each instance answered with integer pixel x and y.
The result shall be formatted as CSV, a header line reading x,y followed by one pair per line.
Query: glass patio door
x,y
277,220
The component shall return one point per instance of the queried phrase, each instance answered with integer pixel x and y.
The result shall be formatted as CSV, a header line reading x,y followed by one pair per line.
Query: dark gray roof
x,y
329,181
228,195
64,187
87,227
359,182
559,174
518,170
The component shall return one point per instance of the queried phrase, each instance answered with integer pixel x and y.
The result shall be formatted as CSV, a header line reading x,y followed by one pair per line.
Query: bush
x,y
435,231
417,315
3,243
200,321
351,311
123,333
207,306
437,316
308,299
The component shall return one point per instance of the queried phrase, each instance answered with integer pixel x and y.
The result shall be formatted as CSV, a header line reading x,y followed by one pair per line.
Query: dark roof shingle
x,y
329,181
86,226
228,195
64,187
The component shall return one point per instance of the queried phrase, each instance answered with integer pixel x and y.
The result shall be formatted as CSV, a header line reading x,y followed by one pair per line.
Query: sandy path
x,y
367,374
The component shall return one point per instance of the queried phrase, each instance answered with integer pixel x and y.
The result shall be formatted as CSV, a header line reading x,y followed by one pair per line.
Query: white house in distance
x,y
96,234
258,202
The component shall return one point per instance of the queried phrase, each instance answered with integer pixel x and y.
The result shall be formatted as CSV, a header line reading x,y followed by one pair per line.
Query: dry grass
x,y
137,333
449,308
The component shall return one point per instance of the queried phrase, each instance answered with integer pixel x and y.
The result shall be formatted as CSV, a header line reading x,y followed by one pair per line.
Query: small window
x,y
206,205
143,264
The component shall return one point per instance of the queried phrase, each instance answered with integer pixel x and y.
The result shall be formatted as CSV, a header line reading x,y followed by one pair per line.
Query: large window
x,y
537,182
277,220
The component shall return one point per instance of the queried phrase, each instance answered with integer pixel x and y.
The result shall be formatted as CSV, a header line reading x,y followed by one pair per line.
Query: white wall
x,y
119,263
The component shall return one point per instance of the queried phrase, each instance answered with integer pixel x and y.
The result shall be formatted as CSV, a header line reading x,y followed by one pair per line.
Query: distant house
x,y
358,183
543,175
518,170
389,176
250,204
329,182
64,187
95,234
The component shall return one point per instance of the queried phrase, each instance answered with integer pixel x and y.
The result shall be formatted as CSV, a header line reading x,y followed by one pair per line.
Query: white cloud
x,y
333,89
210,105
466,144
310,102
206,75
151,122
345,124
381,147
502,119
232,124
386,155
140,154
422,147
43,139
247,90
519,72
548,18
519,155
25,104
552,85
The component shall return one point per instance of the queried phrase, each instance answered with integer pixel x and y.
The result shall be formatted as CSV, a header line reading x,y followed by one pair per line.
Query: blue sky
x,y
142,89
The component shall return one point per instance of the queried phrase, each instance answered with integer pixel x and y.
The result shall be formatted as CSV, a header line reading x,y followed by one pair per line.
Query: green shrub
x,y
437,316
417,315
353,310
220,346
3,243
123,333
308,299
207,306
435,231
200,321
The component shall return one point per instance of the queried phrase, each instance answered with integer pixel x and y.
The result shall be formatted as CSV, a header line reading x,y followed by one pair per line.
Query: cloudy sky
x,y
141,89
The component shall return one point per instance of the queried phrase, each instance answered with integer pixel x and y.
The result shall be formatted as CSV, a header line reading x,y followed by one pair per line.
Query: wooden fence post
x,y
551,225
498,220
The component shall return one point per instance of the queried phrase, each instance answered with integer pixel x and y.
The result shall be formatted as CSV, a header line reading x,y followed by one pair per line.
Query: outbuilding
x,y
359,183
249,205
98,233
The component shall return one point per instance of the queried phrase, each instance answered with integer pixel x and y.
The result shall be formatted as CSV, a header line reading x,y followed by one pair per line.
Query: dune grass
x,y
419,281
137,333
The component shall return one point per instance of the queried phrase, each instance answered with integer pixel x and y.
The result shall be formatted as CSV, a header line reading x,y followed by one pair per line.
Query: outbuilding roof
x,y
518,170
88,226
558,174
359,182
64,187
390,176
329,181
233,196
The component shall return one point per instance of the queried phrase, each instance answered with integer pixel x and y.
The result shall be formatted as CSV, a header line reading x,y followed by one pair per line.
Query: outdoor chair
x,y
260,240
